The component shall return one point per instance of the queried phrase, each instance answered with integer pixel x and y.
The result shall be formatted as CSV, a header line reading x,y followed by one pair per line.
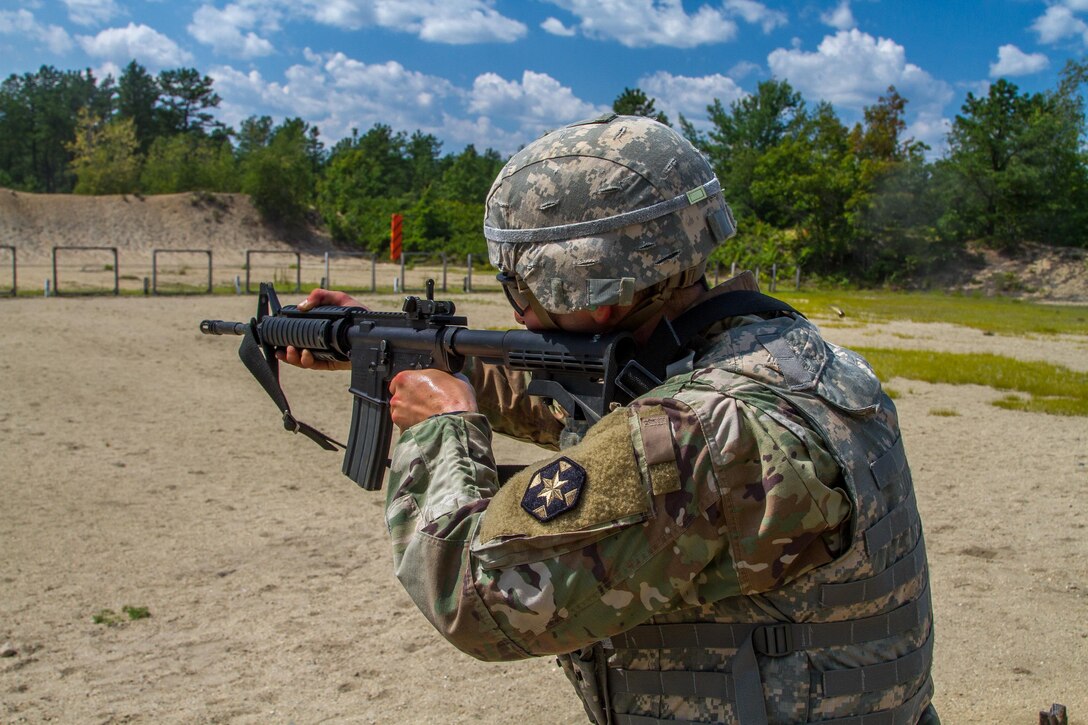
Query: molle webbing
x,y
905,714
884,676
743,685
890,466
878,586
718,685
899,520
794,636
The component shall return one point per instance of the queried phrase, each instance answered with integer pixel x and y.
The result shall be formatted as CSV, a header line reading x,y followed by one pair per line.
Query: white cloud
x,y
932,130
690,96
229,31
92,12
385,82
146,45
556,27
1011,61
348,14
757,13
641,23
483,133
839,17
338,93
454,22
379,90
108,68
1059,23
742,69
475,25
536,103
852,69
22,22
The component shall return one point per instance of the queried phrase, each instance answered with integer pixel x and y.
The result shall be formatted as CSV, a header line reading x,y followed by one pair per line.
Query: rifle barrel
x,y
222,327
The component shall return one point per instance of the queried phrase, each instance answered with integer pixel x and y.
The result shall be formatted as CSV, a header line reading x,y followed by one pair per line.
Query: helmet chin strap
x,y
545,319
659,297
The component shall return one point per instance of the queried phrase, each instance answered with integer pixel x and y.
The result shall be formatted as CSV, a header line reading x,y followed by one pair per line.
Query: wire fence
x,y
102,270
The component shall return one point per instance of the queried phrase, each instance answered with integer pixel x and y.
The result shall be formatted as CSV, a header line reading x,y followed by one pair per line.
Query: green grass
x,y
1033,386
944,412
111,618
999,315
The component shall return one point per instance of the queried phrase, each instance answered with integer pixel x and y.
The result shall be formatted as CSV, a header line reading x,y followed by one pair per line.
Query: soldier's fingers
x,y
290,355
319,297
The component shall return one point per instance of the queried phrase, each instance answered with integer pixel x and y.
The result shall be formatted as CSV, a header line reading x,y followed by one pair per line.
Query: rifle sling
x,y
263,370
728,304
670,338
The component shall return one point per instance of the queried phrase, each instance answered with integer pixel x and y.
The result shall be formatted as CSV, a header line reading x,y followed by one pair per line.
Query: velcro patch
x,y
554,489
612,494
658,448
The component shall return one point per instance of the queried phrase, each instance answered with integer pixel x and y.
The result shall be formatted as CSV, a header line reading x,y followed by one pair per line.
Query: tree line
x,y
858,204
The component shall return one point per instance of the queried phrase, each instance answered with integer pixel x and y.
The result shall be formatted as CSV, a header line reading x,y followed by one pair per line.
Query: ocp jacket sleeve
x,y
501,396
648,530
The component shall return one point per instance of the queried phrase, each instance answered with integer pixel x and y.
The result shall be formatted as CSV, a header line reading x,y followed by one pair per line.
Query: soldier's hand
x,y
304,358
420,394
328,297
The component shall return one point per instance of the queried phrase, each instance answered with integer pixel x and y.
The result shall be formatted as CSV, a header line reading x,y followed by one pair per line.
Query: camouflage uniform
x,y
718,497
740,544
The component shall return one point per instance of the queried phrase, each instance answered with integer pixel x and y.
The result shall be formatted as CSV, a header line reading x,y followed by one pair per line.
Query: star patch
x,y
554,489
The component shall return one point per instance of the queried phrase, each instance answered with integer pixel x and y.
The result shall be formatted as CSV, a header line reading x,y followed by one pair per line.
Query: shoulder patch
x,y
554,489
611,492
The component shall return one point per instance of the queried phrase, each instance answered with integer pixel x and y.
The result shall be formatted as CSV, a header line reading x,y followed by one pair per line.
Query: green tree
x,y
802,184
751,127
280,176
1015,168
894,210
137,99
253,134
635,102
366,179
105,155
38,115
423,151
467,177
188,162
895,219
185,100
881,136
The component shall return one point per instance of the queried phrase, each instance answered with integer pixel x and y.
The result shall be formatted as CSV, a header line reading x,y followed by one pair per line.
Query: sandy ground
x,y
140,465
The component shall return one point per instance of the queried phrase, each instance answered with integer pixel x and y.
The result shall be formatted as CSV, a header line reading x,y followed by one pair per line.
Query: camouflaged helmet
x,y
594,212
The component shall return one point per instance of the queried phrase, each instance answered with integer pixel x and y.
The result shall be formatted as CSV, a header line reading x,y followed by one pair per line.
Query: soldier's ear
x,y
603,314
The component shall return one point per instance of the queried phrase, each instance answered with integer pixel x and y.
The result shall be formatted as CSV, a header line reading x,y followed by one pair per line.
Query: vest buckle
x,y
773,640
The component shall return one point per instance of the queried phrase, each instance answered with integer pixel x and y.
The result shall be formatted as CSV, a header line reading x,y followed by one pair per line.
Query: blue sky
x,y
497,73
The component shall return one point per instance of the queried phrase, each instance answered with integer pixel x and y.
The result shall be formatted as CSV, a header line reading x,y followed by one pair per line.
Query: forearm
x,y
501,396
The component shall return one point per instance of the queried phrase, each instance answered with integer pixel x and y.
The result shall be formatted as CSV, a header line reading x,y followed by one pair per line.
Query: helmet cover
x,y
594,212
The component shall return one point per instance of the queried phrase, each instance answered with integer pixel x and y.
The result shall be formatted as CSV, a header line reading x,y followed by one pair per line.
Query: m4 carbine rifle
x,y
583,373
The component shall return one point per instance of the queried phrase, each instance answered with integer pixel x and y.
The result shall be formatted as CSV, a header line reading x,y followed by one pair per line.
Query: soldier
x,y
739,544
